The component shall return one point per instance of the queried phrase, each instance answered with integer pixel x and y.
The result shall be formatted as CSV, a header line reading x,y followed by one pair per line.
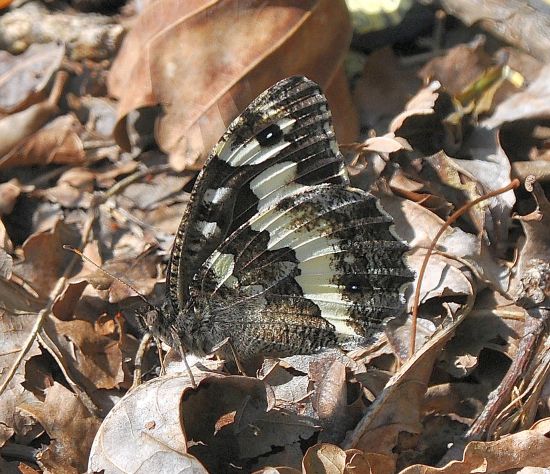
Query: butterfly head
x,y
155,320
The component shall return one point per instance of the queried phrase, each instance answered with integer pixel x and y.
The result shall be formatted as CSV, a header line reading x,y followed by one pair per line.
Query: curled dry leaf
x,y
330,459
58,142
489,169
495,323
531,282
23,77
70,427
45,258
9,192
261,435
325,458
422,122
523,449
143,434
91,359
369,463
196,59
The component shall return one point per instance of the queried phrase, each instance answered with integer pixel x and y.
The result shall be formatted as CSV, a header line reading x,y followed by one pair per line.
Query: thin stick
x,y
454,217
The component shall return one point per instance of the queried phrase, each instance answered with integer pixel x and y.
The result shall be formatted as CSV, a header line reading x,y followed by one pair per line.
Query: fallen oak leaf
x,y
204,87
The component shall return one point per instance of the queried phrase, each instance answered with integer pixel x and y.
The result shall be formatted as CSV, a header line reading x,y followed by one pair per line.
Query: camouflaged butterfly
x,y
276,253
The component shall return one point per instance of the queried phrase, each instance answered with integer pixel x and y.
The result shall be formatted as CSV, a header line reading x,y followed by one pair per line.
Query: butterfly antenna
x,y
79,253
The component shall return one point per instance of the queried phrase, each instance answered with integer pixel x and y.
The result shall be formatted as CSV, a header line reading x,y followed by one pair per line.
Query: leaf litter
x,y
112,178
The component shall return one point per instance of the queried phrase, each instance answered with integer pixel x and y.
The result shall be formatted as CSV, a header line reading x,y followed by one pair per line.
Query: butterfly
x,y
276,253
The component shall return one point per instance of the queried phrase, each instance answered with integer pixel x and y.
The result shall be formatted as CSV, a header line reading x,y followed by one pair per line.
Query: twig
x,y
452,218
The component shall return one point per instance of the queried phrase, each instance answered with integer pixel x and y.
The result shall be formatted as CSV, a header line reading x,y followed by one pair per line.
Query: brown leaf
x,y
45,258
58,142
531,284
495,323
69,425
260,435
23,77
368,463
201,65
94,361
9,192
383,89
418,226
325,458
526,448
330,401
20,125
422,122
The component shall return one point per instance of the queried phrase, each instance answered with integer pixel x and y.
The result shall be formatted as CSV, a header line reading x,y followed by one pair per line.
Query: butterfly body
x,y
276,253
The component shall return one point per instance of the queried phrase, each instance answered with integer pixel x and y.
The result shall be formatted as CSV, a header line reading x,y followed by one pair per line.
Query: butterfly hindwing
x,y
284,140
317,268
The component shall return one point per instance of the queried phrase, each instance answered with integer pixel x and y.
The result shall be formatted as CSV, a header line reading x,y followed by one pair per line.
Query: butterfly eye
x,y
353,288
269,135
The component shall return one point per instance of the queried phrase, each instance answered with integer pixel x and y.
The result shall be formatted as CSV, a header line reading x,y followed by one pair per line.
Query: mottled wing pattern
x,y
319,267
282,141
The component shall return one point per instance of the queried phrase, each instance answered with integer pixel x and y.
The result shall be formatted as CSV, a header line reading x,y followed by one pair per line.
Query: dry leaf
x,y
324,458
20,125
58,142
69,425
143,434
45,258
203,86
459,67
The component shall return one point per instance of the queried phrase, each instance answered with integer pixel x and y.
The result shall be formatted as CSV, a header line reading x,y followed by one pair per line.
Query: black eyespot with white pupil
x,y
270,135
353,288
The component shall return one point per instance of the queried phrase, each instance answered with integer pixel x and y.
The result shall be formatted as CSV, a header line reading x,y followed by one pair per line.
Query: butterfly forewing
x,y
282,142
